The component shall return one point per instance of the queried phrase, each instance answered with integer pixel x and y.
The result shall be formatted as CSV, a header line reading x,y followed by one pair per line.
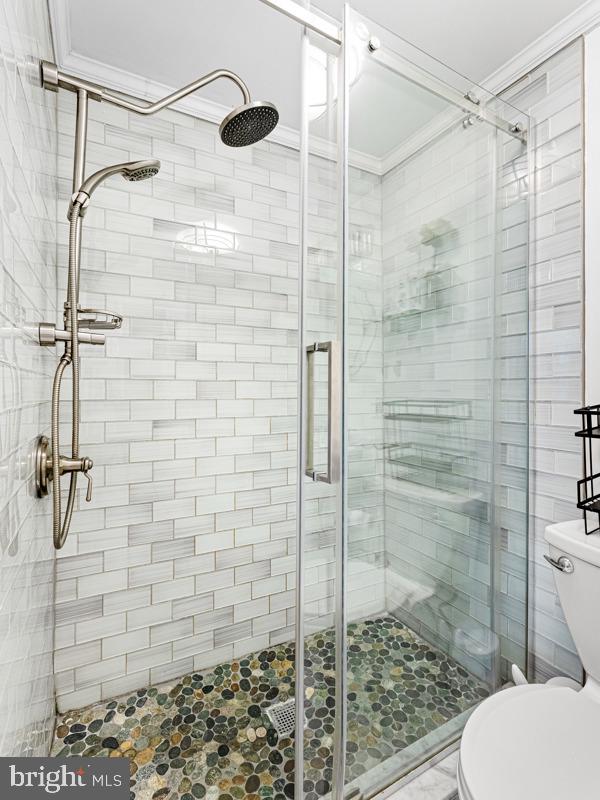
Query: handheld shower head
x,y
130,170
141,170
248,124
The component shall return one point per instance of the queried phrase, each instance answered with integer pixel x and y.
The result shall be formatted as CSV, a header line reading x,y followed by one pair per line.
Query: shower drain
x,y
283,717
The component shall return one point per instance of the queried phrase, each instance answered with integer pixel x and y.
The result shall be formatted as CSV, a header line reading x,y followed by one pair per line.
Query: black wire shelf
x,y
588,488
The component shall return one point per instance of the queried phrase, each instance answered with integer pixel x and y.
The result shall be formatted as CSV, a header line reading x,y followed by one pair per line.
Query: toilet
x,y
541,740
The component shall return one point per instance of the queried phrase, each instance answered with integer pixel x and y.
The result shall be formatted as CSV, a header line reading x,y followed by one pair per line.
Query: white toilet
x,y
542,740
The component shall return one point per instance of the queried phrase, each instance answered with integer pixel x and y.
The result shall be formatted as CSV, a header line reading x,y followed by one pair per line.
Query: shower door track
x,y
469,103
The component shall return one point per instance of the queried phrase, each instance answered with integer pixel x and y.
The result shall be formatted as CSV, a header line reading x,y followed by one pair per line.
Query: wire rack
x,y
588,488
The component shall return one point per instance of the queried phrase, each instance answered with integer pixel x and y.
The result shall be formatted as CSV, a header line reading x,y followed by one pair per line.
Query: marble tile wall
x,y
455,376
27,296
552,95
414,357
186,555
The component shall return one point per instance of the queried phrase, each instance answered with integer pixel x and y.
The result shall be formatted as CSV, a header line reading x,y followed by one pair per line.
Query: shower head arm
x,y
152,108
53,78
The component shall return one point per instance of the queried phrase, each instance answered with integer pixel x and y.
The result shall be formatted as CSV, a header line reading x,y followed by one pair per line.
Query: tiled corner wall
x,y
186,555
365,457
27,296
552,95
455,331
365,580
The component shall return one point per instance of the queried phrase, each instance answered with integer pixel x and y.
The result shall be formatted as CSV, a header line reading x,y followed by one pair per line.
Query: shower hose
x,y
60,527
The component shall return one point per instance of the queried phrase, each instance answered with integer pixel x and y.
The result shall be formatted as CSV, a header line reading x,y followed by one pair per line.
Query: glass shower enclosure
x,y
413,445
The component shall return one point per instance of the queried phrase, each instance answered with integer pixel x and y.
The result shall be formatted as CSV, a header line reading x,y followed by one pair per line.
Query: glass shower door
x,y
435,401
319,662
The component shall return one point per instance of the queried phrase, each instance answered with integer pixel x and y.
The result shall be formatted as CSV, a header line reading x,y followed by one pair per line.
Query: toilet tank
x,y
579,590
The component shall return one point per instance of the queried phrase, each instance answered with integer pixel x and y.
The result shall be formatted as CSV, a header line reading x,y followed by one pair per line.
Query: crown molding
x,y
195,105
583,20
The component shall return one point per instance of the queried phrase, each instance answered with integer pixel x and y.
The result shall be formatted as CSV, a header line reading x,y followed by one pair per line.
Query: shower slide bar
x,y
245,125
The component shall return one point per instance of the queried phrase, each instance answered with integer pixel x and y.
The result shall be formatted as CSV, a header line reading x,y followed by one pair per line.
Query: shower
x,y
245,125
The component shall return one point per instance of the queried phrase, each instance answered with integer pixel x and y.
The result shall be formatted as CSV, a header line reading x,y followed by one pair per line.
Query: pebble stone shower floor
x,y
208,735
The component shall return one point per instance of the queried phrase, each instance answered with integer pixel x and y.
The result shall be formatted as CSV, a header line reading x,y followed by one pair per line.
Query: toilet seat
x,y
530,742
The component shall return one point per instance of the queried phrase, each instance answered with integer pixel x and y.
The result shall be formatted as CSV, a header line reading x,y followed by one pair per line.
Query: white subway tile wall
x,y
186,554
418,192
455,377
28,189
553,95
365,391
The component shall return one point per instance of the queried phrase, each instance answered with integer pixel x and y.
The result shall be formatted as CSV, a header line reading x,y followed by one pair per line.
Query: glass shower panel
x,y
435,402
319,464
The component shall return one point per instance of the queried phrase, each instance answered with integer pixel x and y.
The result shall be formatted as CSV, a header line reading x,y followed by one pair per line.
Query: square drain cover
x,y
283,717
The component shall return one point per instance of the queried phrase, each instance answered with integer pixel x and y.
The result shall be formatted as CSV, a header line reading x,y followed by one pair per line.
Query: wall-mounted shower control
x,y
245,125
44,472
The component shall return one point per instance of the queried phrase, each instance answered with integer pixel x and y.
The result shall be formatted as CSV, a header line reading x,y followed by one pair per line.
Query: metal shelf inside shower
x,y
430,454
588,488
95,320
91,320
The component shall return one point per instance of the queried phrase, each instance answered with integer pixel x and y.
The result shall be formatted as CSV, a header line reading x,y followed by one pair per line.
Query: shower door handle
x,y
333,412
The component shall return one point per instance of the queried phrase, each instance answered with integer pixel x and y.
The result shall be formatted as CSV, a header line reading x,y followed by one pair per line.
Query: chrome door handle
x,y
562,563
333,412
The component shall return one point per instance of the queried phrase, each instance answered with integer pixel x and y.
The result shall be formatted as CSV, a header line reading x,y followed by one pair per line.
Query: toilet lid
x,y
533,742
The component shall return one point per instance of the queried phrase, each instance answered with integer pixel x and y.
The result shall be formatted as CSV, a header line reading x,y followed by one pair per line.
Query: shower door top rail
x,y
304,16
469,102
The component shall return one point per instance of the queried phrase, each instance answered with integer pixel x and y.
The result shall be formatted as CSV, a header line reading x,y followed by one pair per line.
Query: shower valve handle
x,y
43,468
86,474
83,465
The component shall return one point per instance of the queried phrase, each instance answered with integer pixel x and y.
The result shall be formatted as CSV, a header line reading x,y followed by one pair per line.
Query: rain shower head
x,y
249,123
131,171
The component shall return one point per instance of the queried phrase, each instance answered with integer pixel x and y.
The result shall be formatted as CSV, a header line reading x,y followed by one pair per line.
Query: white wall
x,y
27,296
592,215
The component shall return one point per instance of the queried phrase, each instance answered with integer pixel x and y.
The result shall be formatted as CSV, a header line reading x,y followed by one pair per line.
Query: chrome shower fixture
x,y
245,125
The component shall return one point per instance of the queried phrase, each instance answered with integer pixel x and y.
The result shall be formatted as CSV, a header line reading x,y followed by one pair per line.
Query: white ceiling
x,y
171,43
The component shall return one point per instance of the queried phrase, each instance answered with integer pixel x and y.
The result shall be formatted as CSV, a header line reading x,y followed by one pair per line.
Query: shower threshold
x,y
208,735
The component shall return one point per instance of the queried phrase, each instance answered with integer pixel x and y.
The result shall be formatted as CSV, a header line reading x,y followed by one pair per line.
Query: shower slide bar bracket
x,y
49,336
